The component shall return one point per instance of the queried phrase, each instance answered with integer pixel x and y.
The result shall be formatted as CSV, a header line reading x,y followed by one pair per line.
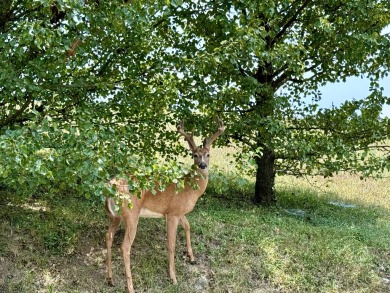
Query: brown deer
x,y
172,203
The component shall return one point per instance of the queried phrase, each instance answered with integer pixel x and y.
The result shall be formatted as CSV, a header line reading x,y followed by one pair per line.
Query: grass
x,y
322,236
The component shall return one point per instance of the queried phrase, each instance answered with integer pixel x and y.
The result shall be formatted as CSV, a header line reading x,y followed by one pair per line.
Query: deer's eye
x,y
208,155
195,156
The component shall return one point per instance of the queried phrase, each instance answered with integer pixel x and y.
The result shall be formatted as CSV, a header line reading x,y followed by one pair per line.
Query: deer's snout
x,y
203,165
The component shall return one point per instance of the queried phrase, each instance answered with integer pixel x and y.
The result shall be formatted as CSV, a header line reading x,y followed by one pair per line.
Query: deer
x,y
172,203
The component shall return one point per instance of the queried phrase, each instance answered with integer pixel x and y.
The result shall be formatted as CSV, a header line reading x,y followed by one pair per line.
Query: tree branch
x,y
289,21
13,118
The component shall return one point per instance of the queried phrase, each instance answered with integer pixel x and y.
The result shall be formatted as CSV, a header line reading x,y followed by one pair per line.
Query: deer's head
x,y
201,154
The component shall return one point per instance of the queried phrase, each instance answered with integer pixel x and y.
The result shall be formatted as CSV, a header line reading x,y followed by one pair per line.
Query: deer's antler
x,y
221,128
189,138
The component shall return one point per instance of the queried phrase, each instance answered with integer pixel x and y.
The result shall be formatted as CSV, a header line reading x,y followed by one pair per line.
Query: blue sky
x,y
353,88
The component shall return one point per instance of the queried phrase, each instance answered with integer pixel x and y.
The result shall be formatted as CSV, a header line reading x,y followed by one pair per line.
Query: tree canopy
x,y
93,88
83,95
264,63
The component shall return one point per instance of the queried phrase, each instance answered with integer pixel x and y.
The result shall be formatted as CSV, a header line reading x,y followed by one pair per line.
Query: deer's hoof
x,y
110,282
173,280
193,262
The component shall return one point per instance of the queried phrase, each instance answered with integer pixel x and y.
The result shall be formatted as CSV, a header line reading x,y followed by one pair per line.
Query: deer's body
x,y
173,204
162,203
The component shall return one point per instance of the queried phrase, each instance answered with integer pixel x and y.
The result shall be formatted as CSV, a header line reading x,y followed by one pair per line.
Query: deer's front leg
x,y
114,223
172,222
131,222
186,225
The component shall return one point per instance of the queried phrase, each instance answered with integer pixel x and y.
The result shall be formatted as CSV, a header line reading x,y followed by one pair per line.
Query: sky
x,y
354,88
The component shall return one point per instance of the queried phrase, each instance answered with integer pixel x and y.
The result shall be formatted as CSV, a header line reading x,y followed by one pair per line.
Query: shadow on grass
x,y
57,244
48,240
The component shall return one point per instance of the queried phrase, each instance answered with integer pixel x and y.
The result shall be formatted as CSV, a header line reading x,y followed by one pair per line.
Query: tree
x,y
89,87
260,63
84,95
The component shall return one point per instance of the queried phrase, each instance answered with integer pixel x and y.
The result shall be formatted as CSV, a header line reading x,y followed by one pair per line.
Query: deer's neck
x,y
202,179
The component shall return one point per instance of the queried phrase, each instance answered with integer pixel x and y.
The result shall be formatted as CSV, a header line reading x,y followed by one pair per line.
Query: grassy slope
x,y
304,244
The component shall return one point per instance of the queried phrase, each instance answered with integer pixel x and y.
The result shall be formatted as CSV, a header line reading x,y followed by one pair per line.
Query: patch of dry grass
x,y
349,188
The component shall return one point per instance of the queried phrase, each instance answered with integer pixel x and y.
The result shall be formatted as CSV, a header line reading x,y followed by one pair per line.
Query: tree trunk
x,y
265,178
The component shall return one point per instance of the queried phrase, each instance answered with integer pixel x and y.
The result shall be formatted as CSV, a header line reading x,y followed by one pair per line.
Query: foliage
x,y
83,97
262,65
93,88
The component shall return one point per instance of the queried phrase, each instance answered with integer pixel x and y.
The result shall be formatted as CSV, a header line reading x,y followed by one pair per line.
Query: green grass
x,y
303,244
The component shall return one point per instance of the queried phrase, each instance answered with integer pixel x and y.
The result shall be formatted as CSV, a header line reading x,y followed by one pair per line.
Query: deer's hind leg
x,y
115,221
